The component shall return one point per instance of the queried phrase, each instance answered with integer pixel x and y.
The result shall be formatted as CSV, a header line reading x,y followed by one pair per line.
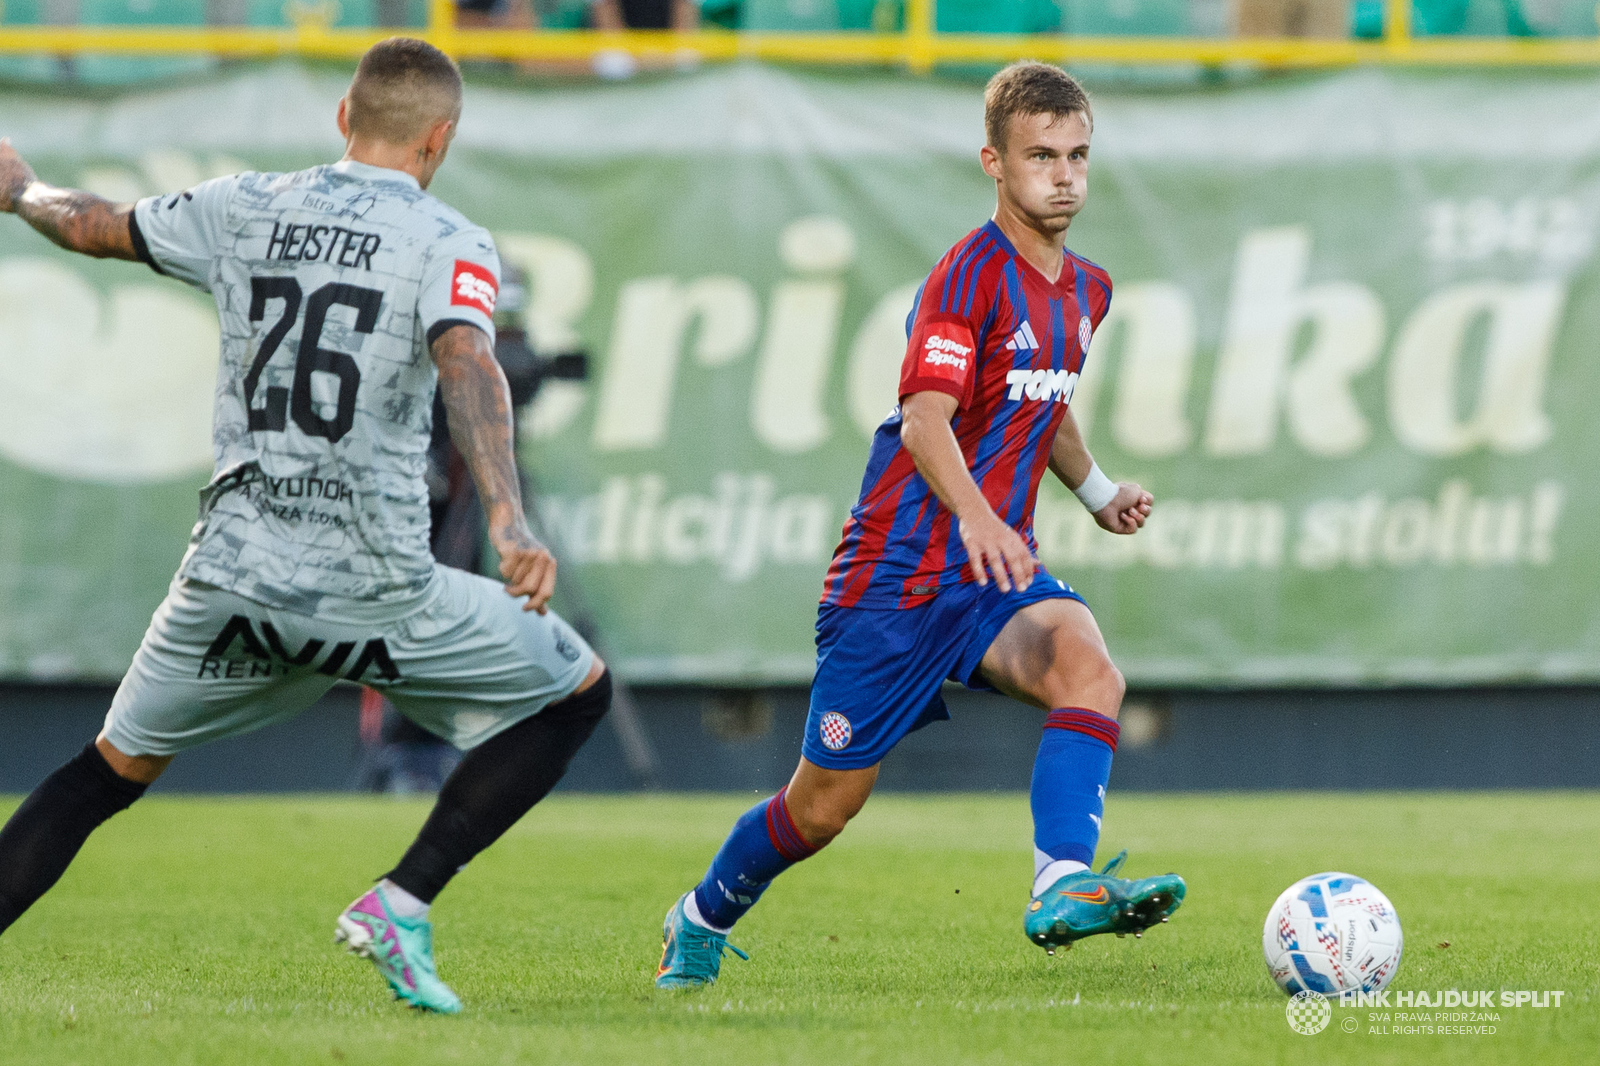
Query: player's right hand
x,y
995,548
529,570
15,176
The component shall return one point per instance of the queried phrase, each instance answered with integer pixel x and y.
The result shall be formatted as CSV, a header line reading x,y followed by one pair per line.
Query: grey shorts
x,y
463,660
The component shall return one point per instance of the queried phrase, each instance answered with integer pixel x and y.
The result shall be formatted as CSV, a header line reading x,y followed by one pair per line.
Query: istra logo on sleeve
x,y
473,286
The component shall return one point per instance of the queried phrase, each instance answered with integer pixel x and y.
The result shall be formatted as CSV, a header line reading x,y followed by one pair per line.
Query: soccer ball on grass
x,y
1332,933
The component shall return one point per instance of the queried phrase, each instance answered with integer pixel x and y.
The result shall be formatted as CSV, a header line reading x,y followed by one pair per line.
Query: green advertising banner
x,y
1351,351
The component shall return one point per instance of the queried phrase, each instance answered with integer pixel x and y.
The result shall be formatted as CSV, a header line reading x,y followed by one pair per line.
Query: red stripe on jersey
x,y
854,580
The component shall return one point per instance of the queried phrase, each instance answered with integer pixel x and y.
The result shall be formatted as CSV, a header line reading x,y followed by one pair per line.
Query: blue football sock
x,y
1069,783
763,844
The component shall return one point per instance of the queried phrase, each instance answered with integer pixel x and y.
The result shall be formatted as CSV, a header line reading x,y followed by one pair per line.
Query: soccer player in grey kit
x,y
346,295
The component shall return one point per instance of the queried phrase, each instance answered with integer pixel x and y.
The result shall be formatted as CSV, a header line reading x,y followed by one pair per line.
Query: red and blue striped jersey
x,y
1008,344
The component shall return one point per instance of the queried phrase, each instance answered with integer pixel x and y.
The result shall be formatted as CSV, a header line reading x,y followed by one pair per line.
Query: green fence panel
x,y
1350,352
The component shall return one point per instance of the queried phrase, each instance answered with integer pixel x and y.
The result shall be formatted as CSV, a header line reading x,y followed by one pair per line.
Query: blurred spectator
x,y
496,15
612,15
1293,18
680,15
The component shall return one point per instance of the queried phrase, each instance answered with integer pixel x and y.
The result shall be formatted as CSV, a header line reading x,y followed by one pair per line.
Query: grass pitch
x,y
199,931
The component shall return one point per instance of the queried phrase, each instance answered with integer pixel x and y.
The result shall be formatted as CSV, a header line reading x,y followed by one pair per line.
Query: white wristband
x,y
1097,490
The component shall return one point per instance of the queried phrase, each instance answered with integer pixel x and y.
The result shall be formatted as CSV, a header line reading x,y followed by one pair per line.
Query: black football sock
x,y
495,784
43,835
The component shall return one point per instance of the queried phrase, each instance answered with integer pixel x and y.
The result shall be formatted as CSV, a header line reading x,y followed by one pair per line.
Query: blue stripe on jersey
x,y
1014,295
913,518
1040,416
992,444
954,270
982,338
1081,288
972,278
1079,262
965,271
884,446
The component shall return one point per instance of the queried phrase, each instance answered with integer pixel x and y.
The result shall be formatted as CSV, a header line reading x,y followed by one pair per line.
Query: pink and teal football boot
x,y
1088,903
401,949
691,954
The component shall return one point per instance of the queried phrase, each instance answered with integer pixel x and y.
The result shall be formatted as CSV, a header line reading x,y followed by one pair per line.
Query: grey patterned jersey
x,y
330,283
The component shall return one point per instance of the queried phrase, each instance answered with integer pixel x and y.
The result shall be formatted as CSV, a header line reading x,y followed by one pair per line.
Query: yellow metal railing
x,y
918,49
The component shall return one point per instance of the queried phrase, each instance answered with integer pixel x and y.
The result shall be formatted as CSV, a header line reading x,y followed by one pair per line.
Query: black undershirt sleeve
x,y
140,248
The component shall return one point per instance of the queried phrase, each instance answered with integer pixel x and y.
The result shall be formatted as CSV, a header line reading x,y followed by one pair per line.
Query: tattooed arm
x,y
477,402
77,221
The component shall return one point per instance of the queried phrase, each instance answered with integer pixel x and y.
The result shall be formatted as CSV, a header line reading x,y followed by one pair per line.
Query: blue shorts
x,y
879,670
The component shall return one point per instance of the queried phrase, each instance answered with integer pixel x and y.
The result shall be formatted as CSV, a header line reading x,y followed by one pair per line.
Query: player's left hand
x,y
15,176
1127,510
529,570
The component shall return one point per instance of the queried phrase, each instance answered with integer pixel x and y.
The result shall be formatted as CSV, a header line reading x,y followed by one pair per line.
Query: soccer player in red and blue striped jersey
x,y
936,576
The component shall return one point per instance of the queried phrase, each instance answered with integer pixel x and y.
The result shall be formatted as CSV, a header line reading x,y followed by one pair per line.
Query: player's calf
x,y
494,785
768,839
44,834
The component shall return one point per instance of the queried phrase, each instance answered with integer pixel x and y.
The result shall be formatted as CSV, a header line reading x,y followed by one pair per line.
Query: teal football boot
x,y
691,954
401,949
1088,904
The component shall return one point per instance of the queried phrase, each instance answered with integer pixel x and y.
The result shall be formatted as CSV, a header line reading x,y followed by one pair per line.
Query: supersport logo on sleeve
x,y
474,286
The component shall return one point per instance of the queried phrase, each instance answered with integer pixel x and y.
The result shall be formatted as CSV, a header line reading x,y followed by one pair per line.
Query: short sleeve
x,y
942,341
180,234
460,285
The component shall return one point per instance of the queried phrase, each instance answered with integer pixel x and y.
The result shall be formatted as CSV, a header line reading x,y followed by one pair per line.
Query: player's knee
x,y
1084,676
1115,686
821,827
588,703
820,818
139,769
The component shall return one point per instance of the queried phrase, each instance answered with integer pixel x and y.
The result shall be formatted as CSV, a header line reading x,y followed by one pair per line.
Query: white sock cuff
x,y
1055,871
691,910
403,903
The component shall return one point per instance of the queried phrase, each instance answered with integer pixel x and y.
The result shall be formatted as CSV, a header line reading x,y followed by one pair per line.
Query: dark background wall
x,y
710,739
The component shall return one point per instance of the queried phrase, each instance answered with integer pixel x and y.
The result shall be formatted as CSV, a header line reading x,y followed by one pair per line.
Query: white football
x,y
1332,933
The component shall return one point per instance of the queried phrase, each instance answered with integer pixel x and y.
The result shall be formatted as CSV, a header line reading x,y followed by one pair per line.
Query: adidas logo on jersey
x,y
1022,340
